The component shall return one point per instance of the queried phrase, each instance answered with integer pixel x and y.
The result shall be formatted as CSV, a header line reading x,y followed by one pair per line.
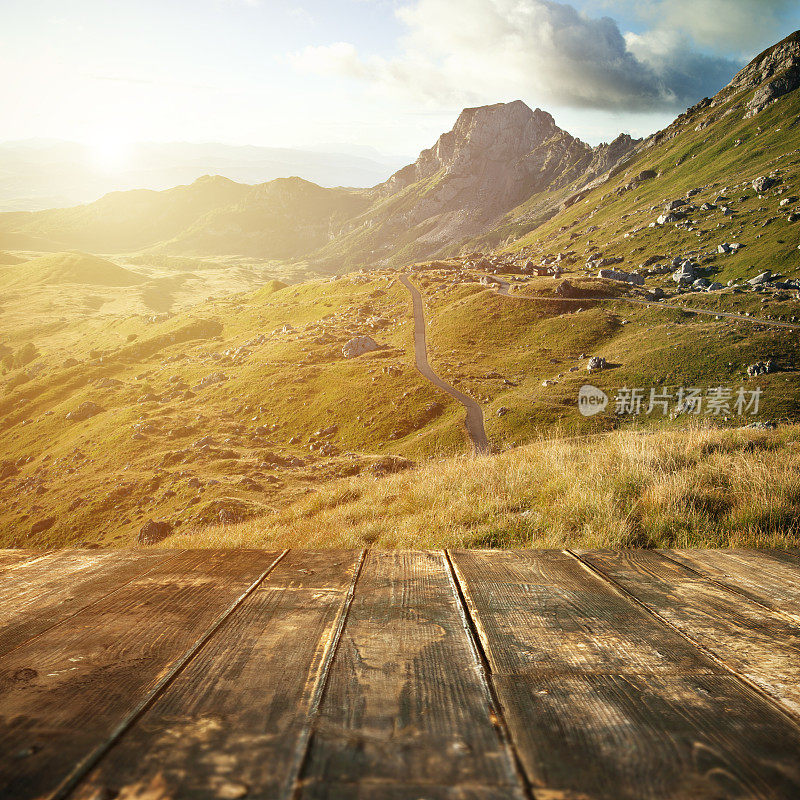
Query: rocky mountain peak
x,y
773,73
499,133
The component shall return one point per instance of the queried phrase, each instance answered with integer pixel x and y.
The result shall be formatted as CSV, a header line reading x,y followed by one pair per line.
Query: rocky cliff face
x,y
501,154
773,73
493,137
493,159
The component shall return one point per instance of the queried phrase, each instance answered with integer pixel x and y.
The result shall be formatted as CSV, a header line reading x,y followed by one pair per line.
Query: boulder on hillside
x,y
154,531
684,275
761,368
763,277
620,275
565,289
84,411
359,345
596,363
763,183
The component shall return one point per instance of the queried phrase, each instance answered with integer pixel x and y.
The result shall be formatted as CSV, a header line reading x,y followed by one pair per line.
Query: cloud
x,y
723,26
481,50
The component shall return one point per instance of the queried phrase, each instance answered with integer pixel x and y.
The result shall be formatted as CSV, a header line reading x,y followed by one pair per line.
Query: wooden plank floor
x,y
400,675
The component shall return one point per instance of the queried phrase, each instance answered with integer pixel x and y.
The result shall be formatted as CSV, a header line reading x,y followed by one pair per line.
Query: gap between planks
x,y
485,671
293,786
748,684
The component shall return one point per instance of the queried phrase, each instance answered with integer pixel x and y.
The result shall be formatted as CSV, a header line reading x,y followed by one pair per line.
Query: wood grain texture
x,y
40,593
65,692
649,737
389,790
605,701
10,557
771,578
406,704
231,721
541,610
751,640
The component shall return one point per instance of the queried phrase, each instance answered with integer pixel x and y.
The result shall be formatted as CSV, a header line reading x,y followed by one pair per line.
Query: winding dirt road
x,y
503,288
474,421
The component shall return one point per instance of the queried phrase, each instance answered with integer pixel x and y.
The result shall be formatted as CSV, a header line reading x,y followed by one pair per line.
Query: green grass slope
x,y
62,268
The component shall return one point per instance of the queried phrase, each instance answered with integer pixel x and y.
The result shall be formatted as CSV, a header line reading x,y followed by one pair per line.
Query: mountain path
x,y
504,289
474,420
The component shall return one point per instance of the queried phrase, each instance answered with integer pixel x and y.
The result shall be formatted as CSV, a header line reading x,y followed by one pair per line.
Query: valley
x,y
222,363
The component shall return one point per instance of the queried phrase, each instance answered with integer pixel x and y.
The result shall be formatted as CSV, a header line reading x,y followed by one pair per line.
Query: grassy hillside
x,y
243,405
699,488
63,268
284,218
714,150
228,411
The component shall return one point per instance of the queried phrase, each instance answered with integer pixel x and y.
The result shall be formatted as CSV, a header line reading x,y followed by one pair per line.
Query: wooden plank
x,y
232,721
65,692
39,594
771,578
10,557
407,704
380,790
605,701
541,610
750,640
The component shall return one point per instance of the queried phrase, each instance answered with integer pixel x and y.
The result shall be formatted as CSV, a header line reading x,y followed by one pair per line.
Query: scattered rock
x,y
596,363
761,278
359,345
620,275
212,379
43,525
565,289
154,531
761,368
84,411
763,183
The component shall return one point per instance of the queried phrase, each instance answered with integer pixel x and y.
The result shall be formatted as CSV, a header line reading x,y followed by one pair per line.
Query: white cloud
x,y
723,26
485,50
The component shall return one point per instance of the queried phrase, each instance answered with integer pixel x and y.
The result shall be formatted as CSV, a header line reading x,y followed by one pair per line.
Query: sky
x,y
385,74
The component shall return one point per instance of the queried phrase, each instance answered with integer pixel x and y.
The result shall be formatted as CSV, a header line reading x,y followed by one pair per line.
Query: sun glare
x,y
108,152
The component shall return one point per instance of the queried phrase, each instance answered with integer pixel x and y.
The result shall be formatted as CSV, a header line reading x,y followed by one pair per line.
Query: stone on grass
x,y
359,345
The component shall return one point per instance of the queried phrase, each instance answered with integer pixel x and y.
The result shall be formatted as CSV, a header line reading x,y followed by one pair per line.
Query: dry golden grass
x,y
701,487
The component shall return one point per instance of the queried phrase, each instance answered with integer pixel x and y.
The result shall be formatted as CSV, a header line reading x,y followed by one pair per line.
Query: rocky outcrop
x,y
494,158
772,74
359,345
154,531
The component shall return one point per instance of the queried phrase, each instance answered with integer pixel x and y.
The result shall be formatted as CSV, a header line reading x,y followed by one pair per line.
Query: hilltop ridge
x,y
502,171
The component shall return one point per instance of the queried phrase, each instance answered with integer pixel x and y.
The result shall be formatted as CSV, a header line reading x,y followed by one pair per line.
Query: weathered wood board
x,y
367,675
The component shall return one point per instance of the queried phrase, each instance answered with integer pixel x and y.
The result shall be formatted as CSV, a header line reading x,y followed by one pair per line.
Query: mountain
x,y
493,159
284,218
36,174
721,172
500,174
200,404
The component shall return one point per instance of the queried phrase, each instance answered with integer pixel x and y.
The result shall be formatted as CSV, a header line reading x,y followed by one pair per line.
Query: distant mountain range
x,y
39,174
502,171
